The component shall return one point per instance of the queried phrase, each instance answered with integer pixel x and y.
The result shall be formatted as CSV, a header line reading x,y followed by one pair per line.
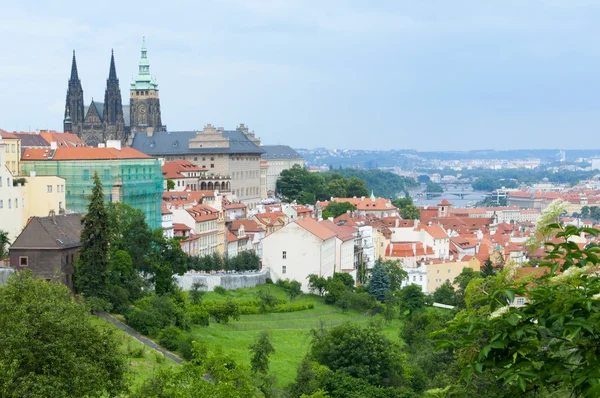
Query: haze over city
x,y
422,75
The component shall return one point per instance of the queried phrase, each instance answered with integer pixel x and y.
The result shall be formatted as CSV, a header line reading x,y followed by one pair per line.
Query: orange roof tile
x,y
175,169
341,231
82,154
315,228
67,140
249,226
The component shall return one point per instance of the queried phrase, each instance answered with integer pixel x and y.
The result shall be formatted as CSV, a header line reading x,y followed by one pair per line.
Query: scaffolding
x,y
136,182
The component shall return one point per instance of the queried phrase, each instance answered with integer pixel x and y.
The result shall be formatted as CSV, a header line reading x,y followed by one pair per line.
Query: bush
x,y
145,322
198,315
136,352
292,307
220,290
222,312
170,338
269,281
185,348
153,313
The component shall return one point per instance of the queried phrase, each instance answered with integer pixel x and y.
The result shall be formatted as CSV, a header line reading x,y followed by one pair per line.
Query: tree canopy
x,y
49,347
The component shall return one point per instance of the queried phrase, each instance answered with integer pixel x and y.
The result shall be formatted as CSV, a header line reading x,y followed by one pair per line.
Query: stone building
x,y
278,158
231,157
111,120
49,247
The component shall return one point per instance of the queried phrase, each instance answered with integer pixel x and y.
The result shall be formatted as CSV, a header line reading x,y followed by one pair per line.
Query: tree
x,y
434,187
261,350
337,188
316,283
394,271
196,292
548,344
267,300
412,299
462,281
306,198
292,288
361,352
379,283
92,269
166,259
4,242
356,187
336,209
445,294
50,348
401,203
170,185
410,212
487,269
130,232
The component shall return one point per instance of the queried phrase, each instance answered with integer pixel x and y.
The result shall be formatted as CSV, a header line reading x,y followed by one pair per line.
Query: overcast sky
x,y
426,74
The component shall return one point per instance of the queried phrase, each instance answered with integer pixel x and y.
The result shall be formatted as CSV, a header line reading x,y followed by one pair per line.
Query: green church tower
x,y
144,101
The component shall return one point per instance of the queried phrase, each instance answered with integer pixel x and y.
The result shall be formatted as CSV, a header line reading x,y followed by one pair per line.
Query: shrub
x,y
220,290
145,322
136,352
153,313
269,281
198,315
222,312
292,307
185,348
170,337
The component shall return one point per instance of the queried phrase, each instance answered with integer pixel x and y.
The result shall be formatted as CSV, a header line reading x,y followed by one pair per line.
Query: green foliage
x,y
244,261
336,209
92,270
130,232
549,343
165,260
226,379
317,284
220,290
361,352
410,212
462,281
292,288
394,271
170,337
412,299
445,294
379,283
261,350
433,187
4,243
491,184
198,315
49,347
356,187
224,311
487,269
267,300
153,313
196,292
170,185
383,183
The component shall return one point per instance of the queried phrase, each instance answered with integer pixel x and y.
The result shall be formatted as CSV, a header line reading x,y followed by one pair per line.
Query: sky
x,y
426,75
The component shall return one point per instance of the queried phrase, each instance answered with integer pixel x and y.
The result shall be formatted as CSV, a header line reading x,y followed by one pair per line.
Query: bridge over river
x,y
460,195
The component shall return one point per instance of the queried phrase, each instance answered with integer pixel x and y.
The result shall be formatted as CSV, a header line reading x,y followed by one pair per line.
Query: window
x,y
49,188
23,261
212,165
414,278
284,255
1,203
16,203
86,175
448,270
59,205
438,271
9,203
212,158
106,174
520,300
283,269
421,278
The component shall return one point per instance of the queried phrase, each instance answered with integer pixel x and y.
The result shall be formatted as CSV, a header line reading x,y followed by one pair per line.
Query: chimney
x,y
53,145
149,131
116,144
397,222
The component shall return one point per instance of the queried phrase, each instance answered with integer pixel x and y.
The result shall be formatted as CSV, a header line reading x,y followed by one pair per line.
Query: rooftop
x,y
82,153
276,152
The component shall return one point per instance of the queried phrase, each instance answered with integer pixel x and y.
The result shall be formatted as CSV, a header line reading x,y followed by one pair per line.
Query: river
x,y
471,197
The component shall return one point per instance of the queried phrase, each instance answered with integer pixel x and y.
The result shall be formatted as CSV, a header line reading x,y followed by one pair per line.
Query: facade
x,y
144,103
251,228
439,273
372,206
49,247
167,222
12,152
184,174
127,176
345,261
26,197
204,222
231,157
299,249
278,158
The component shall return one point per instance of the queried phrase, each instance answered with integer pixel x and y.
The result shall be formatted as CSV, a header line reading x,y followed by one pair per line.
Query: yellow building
x,y
45,193
439,272
12,152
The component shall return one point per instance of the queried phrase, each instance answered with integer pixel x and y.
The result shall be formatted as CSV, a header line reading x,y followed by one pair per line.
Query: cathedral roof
x,y
100,109
177,143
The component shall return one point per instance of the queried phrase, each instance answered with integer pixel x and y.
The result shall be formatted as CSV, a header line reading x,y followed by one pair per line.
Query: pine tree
x,y
93,268
379,284
487,269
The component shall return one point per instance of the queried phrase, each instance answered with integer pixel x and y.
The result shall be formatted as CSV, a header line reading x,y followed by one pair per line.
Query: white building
x,y
167,222
344,247
299,249
278,158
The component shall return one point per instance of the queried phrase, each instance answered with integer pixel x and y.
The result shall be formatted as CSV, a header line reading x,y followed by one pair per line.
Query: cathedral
x,y
111,120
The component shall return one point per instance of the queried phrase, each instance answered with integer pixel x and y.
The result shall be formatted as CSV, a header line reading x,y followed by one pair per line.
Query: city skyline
x,y
416,76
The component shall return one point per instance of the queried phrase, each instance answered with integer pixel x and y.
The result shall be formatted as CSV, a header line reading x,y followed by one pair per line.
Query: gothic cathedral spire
x,y
114,124
74,103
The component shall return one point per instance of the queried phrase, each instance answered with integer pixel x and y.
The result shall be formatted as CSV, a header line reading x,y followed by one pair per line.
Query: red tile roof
x,y
249,226
203,213
315,228
83,154
66,140
343,232
175,169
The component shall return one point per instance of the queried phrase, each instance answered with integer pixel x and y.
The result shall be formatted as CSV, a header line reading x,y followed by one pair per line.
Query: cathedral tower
x,y
73,120
112,115
143,100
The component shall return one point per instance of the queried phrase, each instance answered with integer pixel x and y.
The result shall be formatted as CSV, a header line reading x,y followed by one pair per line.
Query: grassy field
x,y
143,361
290,331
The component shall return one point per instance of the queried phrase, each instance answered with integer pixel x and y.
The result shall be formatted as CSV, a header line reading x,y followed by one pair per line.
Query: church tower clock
x,y
144,102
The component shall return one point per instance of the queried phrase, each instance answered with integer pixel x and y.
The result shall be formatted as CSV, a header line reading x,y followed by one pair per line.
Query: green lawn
x,y
290,331
143,361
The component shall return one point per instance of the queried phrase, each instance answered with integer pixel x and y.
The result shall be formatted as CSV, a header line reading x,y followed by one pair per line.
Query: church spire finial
x,y
112,74
74,75
144,81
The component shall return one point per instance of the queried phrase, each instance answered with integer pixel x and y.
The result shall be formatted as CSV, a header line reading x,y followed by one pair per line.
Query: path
x,y
144,340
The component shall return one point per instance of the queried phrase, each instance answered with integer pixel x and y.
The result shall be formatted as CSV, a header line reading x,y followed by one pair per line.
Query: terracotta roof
x,y
366,204
66,140
444,202
408,250
249,226
6,135
185,197
232,206
315,228
271,218
203,213
230,236
436,232
164,209
82,154
302,209
343,232
181,227
175,169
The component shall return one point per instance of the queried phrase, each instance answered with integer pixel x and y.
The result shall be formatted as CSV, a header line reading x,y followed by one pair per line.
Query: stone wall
x,y
228,281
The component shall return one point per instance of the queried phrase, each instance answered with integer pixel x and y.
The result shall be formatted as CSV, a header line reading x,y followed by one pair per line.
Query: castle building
x,y
111,120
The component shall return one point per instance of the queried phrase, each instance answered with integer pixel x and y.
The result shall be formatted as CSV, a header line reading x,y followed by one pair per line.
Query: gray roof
x,y
279,152
53,232
31,140
176,143
100,108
